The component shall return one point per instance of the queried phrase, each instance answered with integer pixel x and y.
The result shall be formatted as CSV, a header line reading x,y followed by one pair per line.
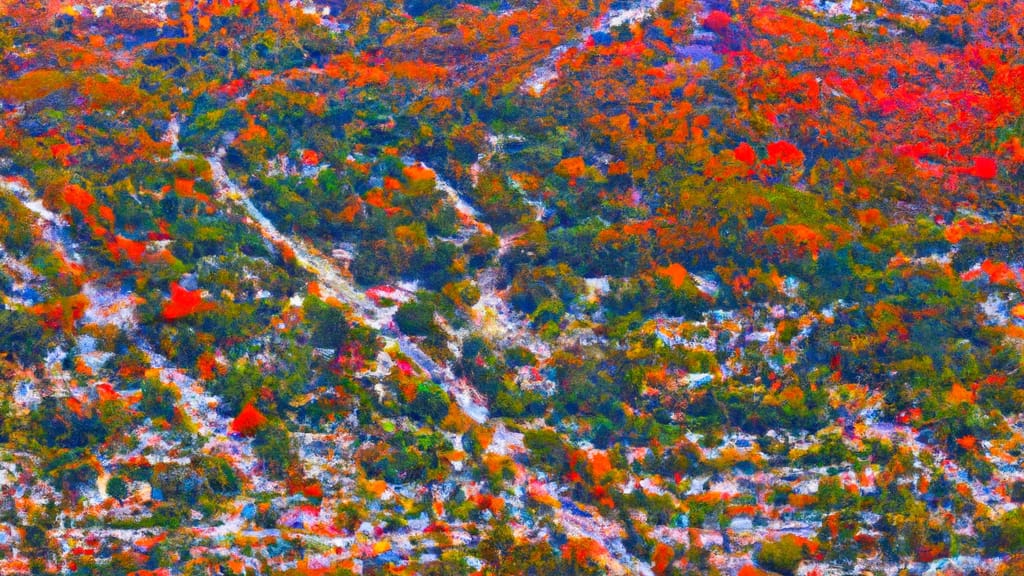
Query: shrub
x,y
782,556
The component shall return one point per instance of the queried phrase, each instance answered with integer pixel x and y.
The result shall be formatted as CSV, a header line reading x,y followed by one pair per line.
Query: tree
x,y
329,325
117,488
21,334
430,403
415,318
1011,531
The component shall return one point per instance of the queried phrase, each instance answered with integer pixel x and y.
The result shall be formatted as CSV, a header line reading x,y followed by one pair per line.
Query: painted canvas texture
x,y
511,287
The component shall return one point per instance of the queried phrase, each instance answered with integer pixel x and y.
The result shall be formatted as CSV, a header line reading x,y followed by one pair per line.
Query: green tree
x,y
431,403
117,488
415,318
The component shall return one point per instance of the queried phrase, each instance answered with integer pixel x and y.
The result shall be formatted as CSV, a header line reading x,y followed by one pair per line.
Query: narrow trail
x,y
492,313
334,283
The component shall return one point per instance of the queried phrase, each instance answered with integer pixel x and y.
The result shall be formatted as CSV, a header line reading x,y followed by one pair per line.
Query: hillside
x,y
517,287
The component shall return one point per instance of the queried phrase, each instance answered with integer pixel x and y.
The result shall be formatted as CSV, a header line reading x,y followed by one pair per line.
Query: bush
x,y
782,556
547,449
415,318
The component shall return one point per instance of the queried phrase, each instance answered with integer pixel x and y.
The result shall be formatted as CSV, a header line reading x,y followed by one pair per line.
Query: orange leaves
x,y
795,240
600,465
960,395
252,132
62,313
418,172
205,364
184,303
248,421
76,196
34,85
792,396
676,274
618,168
419,72
125,248
871,218
359,74
184,187
107,214
353,206
802,500
380,199
661,557
970,227
106,92
887,319
488,502
571,168
582,551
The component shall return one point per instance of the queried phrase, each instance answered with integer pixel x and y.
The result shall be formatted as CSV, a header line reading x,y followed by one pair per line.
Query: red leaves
x,y
929,552
232,88
983,167
310,158
745,153
997,273
248,421
313,491
184,303
717,21
661,557
783,152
